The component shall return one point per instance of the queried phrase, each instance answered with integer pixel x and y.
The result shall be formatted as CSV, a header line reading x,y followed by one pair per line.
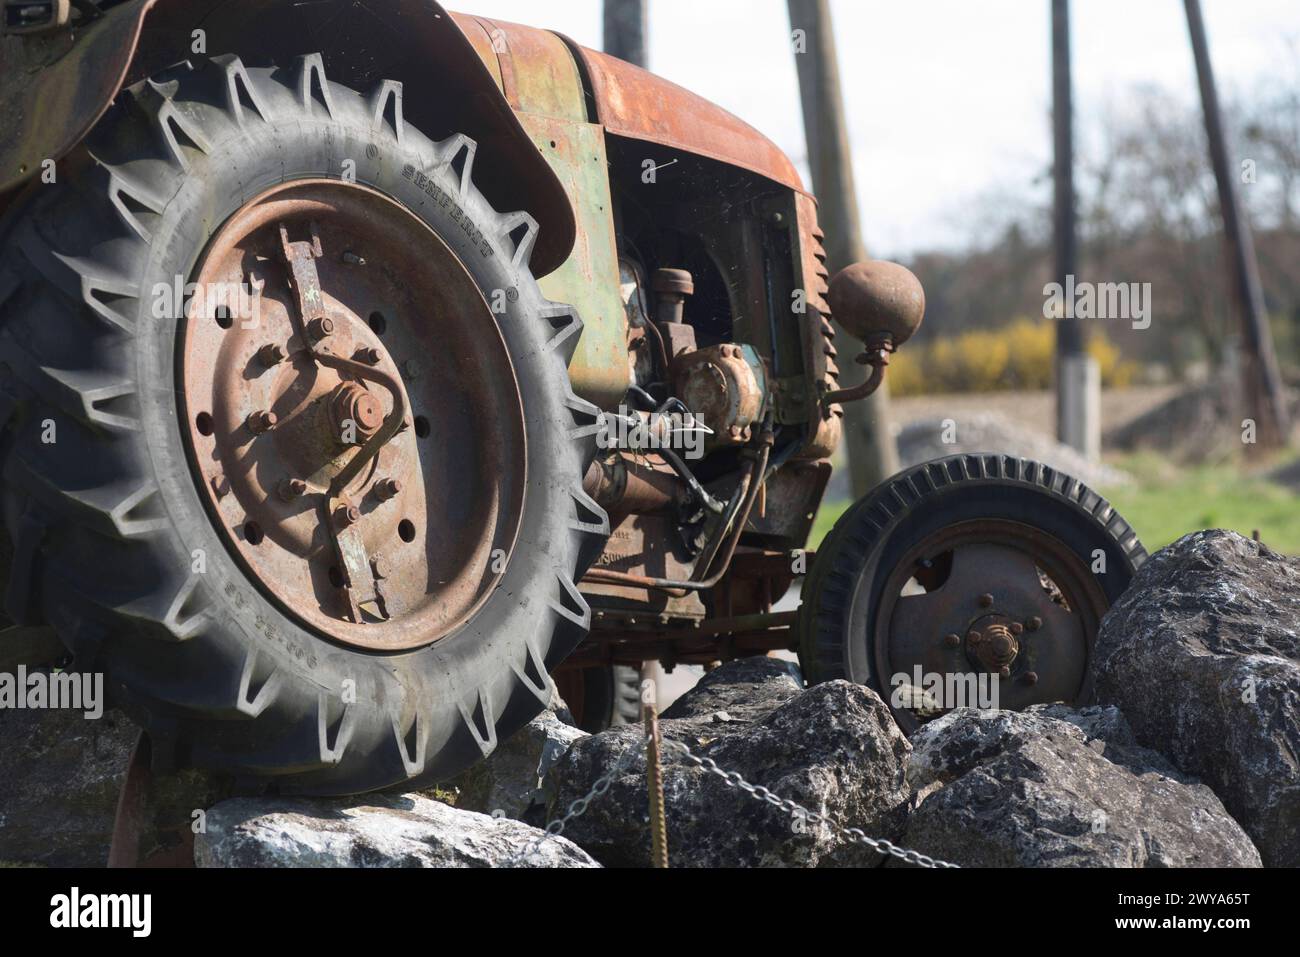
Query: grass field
x,y
1166,502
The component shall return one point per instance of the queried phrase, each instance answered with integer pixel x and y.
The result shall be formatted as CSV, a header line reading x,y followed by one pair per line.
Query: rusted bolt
x,y
220,485
292,488
261,421
1016,628
1034,623
320,327
974,637
352,259
387,488
986,601
1030,678
368,355
346,515
270,355
1004,671
953,640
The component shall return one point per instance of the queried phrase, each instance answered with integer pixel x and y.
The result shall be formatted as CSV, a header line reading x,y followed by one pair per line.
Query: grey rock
x,y
512,780
741,690
1202,654
834,749
376,831
1040,789
60,775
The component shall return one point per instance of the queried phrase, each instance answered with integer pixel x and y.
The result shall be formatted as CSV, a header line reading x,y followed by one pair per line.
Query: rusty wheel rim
x,y
352,415
994,598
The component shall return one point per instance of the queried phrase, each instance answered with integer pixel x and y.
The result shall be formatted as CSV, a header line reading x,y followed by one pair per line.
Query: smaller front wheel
x,y
974,580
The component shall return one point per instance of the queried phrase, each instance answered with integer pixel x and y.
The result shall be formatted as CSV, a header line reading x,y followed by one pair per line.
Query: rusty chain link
x,y
659,851
758,792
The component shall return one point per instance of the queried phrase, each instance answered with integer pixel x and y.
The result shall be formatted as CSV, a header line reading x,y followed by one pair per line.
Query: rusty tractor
x,y
364,366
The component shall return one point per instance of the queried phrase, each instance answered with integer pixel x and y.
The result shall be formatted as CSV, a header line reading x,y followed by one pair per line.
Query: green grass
x,y
1166,502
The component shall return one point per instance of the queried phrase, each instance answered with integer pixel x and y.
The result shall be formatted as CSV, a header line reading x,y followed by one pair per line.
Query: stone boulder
x,y
834,749
1049,787
376,831
60,775
1202,654
512,780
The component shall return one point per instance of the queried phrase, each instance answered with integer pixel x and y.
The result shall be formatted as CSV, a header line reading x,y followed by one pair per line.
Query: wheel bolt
x,y
368,355
387,488
986,601
974,637
259,422
270,355
1016,628
952,641
320,327
1034,623
1004,671
346,515
1031,677
292,488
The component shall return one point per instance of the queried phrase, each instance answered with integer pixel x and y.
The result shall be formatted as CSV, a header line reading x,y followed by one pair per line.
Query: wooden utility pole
x,y
1078,379
872,450
625,30
1262,386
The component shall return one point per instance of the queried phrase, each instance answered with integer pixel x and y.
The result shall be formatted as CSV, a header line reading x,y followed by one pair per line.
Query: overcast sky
x,y
947,99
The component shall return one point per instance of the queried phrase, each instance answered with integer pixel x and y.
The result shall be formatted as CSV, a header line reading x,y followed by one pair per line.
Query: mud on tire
x,y
99,496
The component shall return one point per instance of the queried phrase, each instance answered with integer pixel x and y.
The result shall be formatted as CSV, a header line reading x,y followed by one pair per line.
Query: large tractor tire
x,y
178,480
973,566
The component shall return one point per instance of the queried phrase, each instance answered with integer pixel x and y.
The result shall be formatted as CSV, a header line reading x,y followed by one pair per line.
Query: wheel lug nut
x,y
1031,678
346,515
986,601
368,355
292,488
1016,628
259,422
974,637
270,355
952,641
1034,623
1004,671
320,327
387,488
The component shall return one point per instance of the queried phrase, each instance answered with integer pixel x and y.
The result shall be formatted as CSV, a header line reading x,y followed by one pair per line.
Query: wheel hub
x,y
993,598
316,409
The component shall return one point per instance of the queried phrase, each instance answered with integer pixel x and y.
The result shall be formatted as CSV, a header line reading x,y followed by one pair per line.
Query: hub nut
x,y
320,327
346,515
261,421
387,488
368,355
292,488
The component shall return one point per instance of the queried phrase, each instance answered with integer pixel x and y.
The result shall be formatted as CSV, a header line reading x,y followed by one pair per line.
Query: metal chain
x,y
760,793
579,807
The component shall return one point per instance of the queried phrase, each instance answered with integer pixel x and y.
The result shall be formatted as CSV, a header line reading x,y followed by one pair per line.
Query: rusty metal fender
x,y
634,103
57,85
